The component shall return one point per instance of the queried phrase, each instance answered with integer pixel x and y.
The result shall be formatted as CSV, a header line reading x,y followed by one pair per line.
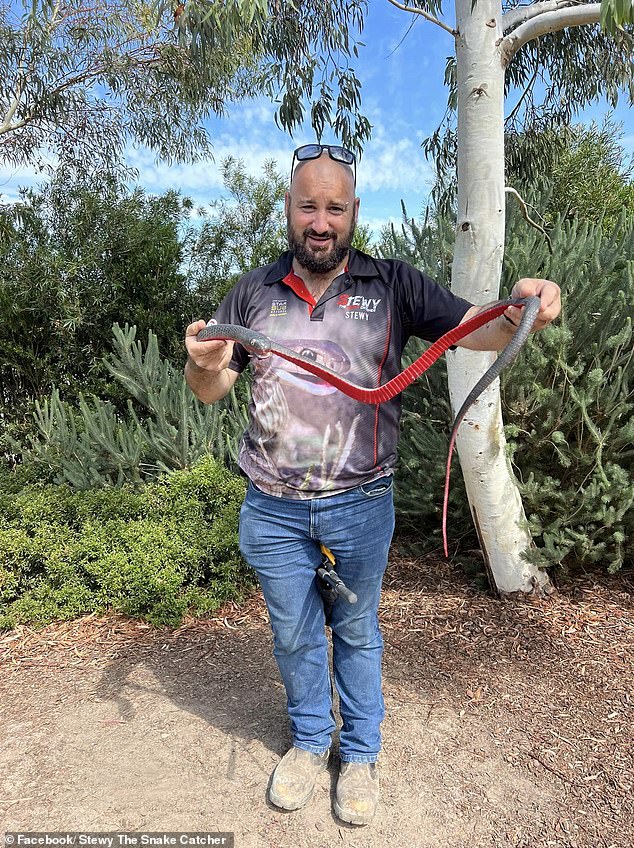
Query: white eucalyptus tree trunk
x,y
494,498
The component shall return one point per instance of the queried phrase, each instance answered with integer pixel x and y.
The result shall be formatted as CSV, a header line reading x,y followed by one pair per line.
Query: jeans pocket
x,y
377,487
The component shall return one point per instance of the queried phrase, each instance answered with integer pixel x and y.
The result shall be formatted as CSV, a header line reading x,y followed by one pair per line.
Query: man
x,y
320,464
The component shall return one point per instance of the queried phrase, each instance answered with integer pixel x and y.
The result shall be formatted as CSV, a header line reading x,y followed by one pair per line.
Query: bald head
x,y
324,169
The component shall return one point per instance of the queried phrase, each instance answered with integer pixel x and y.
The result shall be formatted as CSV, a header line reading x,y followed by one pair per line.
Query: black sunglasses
x,y
314,151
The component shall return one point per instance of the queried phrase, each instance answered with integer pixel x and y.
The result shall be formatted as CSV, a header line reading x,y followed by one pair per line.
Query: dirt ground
x,y
509,723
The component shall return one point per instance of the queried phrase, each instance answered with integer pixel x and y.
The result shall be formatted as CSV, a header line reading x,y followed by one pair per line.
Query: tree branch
x,y
546,22
517,16
425,15
23,73
527,217
144,56
5,126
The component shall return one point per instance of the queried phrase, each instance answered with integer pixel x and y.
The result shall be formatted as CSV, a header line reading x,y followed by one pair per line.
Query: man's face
x,y
321,211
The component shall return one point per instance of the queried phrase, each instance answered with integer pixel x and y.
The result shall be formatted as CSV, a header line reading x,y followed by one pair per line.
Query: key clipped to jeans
x,y
330,585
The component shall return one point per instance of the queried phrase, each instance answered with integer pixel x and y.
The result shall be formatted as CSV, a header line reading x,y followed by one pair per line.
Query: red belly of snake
x,y
261,345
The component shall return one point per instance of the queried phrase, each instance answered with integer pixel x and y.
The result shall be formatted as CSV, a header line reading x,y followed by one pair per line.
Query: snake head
x,y
260,346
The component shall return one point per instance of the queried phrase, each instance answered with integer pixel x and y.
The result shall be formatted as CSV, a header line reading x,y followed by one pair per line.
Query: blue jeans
x,y
279,538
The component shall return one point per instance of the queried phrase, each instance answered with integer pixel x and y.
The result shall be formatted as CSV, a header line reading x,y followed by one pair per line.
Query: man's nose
x,y
320,220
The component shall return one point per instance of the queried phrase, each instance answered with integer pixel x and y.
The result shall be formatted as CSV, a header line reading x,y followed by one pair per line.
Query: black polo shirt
x,y
305,438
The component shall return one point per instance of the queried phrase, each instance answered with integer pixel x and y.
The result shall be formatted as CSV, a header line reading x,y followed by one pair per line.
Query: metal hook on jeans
x,y
330,585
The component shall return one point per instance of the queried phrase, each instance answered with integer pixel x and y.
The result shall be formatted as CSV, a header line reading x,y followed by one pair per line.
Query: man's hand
x,y
206,370
496,334
549,294
212,356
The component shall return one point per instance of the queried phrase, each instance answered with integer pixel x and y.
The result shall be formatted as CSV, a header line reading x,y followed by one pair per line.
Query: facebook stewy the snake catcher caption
x,y
24,839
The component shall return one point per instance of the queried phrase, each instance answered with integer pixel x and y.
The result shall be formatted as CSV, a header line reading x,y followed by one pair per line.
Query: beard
x,y
320,262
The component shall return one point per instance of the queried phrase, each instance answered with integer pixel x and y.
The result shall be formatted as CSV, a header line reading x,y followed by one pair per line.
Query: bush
x,y
77,255
568,400
166,427
156,552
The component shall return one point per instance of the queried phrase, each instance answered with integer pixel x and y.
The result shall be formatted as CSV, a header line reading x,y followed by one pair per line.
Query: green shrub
x,y
568,400
156,552
166,427
77,254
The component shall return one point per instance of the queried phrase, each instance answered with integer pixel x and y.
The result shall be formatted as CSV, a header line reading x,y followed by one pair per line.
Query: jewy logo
x,y
278,307
357,307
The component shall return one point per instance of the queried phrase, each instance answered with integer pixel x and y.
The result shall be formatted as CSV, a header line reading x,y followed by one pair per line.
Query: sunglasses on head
x,y
314,151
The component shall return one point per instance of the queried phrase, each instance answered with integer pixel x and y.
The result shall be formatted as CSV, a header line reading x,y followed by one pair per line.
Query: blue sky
x,y
403,97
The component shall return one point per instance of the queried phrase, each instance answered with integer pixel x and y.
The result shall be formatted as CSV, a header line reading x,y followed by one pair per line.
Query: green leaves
x,y
156,553
81,79
165,428
571,401
615,14
583,171
243,230
301,51
78,255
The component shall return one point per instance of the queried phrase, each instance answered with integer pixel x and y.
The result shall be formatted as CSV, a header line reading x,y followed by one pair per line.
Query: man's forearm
x,y
492,336
496,334
208,386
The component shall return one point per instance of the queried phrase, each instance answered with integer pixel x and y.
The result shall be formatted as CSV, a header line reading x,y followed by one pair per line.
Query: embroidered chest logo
x,y
358,308
278,307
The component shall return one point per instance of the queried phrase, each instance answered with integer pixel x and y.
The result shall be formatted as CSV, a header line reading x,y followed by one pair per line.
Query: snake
x,y
261,346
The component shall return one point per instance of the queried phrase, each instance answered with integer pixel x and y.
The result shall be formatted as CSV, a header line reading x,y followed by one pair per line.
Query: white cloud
x,y
393,161
13,179
397,164
389,163
202,181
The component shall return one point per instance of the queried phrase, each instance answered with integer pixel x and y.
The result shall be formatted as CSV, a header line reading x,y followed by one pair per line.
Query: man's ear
x,y
357,203
287,202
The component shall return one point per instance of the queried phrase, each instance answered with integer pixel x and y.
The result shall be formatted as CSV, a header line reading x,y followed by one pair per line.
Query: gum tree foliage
x,y
306,47
81,79
547,81
550,58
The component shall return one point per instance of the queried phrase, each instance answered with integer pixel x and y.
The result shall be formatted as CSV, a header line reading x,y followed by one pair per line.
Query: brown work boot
x,y
357,795
294,778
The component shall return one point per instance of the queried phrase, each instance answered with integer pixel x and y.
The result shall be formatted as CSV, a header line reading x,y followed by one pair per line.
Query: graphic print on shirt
x,y
301,433
325,353
306,439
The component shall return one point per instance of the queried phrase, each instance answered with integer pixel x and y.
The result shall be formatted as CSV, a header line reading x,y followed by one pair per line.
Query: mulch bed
x,y
552,678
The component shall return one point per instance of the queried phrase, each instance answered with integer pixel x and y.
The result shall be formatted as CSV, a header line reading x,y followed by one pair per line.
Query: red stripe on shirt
x,y
378,383
294,282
